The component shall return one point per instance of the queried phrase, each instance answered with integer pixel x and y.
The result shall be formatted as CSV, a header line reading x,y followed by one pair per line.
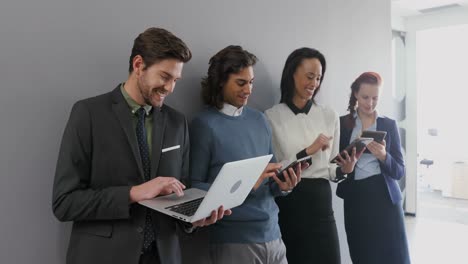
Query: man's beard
x,y
147,95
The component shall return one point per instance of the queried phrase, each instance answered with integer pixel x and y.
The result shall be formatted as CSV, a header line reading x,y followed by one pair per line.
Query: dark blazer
x,y
392,169
98,163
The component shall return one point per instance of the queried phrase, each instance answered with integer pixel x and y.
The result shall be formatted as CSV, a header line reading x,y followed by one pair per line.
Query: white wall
x,y
55,52
442,18
413,25
398,23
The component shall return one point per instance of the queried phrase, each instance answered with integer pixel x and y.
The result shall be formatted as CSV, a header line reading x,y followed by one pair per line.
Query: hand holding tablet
x,y
378,136
359,143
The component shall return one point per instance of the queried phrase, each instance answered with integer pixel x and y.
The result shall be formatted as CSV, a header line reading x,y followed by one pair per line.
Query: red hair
x,y
366,77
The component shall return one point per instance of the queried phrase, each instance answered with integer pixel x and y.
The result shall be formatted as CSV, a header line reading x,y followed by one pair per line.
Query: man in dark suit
x,y
123,147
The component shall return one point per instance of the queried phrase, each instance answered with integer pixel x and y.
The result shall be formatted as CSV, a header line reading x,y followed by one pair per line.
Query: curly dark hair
x,y
156,44
368,78
231,59
292,62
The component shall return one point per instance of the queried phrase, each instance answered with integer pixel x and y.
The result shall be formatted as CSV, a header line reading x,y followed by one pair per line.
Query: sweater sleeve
x,y
200,154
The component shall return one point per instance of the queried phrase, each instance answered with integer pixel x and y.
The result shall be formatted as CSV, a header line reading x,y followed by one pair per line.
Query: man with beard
x,y
123,147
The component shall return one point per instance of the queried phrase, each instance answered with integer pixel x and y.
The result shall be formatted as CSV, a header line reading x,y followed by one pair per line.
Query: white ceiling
x,y
405,8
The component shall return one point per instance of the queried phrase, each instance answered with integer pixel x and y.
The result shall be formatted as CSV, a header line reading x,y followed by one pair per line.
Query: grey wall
x,y
53,53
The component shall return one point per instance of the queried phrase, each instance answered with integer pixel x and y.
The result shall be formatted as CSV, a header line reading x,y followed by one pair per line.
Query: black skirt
x,y
308,225
375,226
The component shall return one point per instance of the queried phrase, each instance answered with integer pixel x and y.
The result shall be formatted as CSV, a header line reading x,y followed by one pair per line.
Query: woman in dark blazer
x,y
373,213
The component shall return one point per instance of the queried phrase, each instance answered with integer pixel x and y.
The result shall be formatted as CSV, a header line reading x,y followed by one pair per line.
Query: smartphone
x,y
378,136
293,165
359,143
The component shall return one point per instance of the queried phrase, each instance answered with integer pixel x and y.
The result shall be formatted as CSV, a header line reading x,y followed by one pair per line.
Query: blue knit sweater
x,y
217,138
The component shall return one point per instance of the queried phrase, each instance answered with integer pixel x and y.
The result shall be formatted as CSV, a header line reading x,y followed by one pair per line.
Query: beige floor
x,y
439,233
438,242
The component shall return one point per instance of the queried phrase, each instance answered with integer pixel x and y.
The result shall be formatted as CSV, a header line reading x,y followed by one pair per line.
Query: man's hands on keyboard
x,y
155,187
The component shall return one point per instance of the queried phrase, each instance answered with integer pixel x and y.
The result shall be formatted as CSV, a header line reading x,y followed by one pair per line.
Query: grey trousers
x,y
273,252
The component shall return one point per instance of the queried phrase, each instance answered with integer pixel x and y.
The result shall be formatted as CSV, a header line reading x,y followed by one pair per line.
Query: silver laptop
x,y
234,182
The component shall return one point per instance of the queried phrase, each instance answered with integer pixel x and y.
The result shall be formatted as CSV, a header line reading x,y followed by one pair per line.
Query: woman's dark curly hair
x,y
231,59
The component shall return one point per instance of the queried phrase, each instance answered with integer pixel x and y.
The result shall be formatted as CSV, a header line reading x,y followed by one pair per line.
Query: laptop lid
x,y
233,183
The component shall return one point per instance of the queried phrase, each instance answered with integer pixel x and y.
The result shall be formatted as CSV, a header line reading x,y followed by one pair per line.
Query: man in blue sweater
x,y
228,130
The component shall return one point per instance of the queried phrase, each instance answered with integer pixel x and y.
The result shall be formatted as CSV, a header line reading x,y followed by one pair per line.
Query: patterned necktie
x,y
145,160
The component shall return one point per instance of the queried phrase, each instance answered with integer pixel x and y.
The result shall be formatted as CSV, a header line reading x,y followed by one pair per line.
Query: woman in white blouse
x,y
301,127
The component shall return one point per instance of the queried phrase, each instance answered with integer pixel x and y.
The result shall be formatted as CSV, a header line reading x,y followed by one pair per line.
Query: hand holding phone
x,y
303,161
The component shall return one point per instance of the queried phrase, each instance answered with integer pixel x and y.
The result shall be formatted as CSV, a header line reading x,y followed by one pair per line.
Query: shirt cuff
x,y
301,154
339,175
188,227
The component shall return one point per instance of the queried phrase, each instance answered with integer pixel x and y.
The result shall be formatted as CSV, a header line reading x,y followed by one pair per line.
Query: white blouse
x,y
293,133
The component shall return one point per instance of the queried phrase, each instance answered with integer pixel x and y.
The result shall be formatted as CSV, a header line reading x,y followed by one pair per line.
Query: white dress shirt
x,y
231,110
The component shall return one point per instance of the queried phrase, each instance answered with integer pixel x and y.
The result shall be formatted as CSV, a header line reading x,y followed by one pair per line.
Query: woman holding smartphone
x,y
372,199
301,128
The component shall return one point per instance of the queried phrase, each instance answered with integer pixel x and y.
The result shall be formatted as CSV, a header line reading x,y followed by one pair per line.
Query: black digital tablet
x,y
378,136
359,143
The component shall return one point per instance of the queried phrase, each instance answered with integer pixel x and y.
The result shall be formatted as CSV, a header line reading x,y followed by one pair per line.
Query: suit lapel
x,y
379,124
347,136
159,125
124,115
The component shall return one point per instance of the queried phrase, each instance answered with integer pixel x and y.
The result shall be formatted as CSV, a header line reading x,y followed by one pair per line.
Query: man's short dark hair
x,y
231,59
156,44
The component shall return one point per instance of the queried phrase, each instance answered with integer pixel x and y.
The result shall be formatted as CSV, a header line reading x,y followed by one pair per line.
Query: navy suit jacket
x,y
393,168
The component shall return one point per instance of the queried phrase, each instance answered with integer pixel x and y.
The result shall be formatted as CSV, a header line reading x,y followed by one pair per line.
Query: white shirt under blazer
x,y
293,133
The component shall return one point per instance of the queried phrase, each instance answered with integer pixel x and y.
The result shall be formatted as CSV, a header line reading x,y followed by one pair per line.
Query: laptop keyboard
x,y
188,208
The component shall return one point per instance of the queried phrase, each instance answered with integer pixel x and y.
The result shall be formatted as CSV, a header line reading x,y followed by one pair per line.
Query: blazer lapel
x,y
346,136
124,115
379,124
159,125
